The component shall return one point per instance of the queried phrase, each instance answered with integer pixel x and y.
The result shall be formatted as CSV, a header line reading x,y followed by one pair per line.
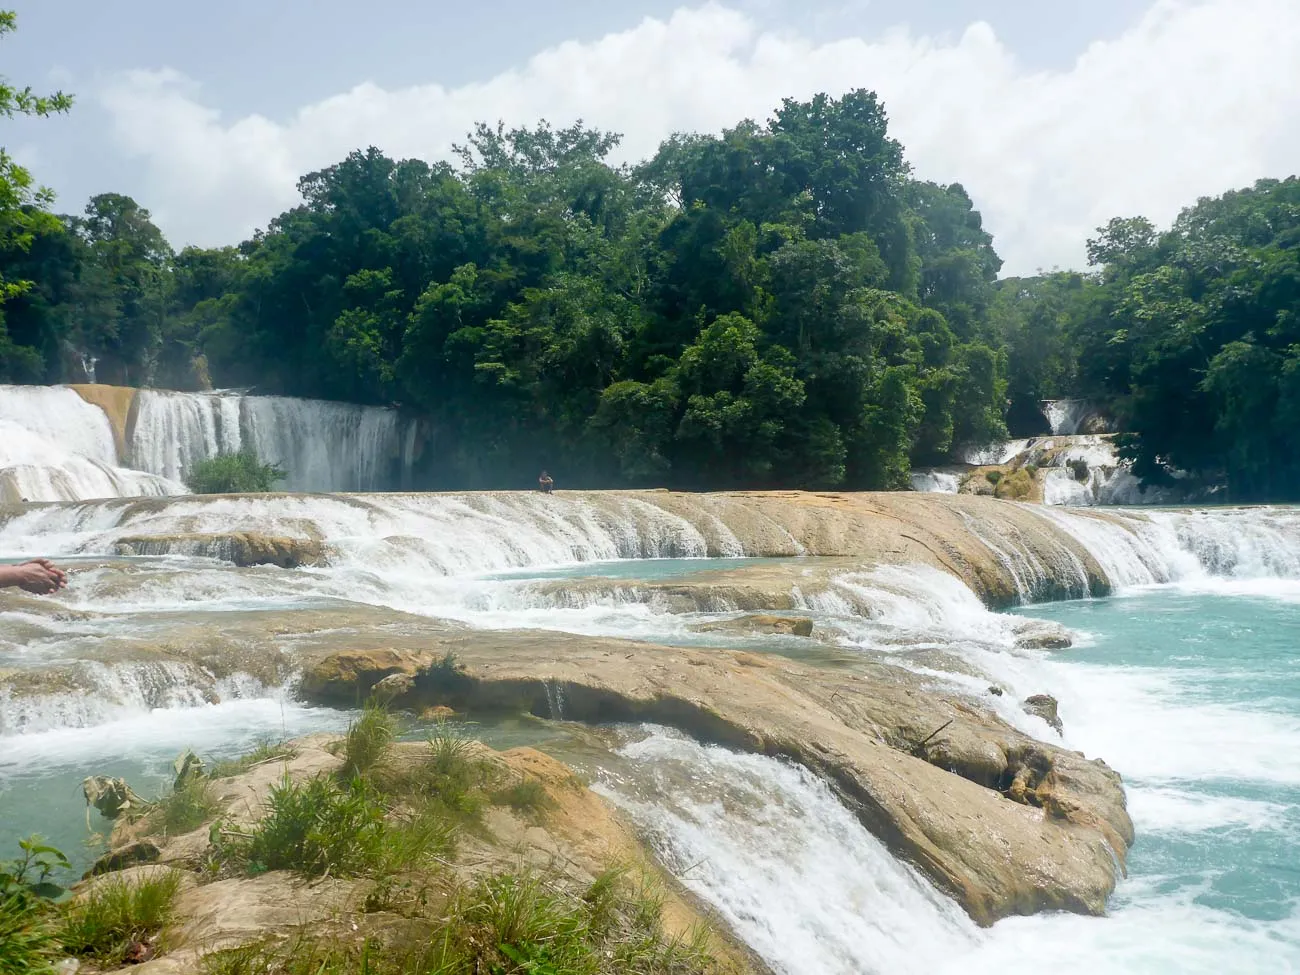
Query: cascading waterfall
x,y
54,446
936,482
322,446
1077,470
767,844
825,897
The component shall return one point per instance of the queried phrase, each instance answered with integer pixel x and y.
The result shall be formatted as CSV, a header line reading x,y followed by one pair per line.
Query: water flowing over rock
x,y
1067,417
56,446
1074,469
73,443
323,446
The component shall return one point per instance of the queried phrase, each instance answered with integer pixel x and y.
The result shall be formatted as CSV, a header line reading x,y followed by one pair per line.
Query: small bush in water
x,y
238,473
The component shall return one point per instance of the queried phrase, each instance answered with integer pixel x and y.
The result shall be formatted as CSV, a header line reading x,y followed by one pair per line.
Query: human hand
x,y
38,576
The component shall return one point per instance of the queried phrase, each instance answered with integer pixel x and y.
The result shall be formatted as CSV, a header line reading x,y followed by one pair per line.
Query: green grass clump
x,y
369,736
452,775
265,751
234,473
524,796
314,827
185,808
116,914
27,938
505,925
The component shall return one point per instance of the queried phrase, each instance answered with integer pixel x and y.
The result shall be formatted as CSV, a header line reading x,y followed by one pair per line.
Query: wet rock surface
x,y
240,548
1045,706
1005,824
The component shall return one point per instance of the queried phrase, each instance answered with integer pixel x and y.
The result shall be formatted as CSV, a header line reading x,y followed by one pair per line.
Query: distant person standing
x,y
39,576
545,484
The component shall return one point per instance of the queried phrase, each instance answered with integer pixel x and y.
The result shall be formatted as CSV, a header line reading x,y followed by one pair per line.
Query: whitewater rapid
x,y
770,846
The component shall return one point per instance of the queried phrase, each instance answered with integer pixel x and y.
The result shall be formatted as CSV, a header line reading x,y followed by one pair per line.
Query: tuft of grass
x,y
527,795
185,808
444,680
369,736
266,751
116,915
451,775
506,925
28,944
315,827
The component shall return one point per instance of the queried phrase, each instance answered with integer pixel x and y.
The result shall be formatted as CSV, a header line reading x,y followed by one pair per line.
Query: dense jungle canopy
x,y
780,305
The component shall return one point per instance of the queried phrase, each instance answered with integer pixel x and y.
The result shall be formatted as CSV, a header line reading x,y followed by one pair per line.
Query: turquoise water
x,y
1195,698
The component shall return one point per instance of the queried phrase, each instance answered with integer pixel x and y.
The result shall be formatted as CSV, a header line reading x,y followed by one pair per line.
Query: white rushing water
x,y
767,844
1076,470
788,867
54,446
322,446
936,482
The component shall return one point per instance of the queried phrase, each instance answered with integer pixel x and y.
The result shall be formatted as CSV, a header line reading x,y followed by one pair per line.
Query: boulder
x,y
1043,635
242,548
1044,706
762,623
349,676
393,686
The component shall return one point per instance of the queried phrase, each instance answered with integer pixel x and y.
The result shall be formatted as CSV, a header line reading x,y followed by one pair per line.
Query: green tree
x,y
24,211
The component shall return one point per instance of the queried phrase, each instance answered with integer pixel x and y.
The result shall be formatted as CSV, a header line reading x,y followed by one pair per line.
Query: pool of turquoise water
x,y
1195,698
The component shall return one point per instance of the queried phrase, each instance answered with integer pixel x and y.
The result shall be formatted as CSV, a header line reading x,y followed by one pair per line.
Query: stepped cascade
x,y
816,639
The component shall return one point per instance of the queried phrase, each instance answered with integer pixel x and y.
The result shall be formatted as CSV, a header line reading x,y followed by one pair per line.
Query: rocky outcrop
x,y
577,838
1003,823
1045,706
350,676
242,548
763,624
117,402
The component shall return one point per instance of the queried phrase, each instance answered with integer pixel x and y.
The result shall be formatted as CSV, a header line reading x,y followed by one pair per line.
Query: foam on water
x,y
792,870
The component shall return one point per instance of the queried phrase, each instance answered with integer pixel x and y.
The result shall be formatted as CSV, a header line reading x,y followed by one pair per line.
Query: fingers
x,y
59,576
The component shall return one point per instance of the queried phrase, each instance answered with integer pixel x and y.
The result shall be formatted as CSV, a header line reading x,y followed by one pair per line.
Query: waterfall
x,y
1067,417
998,453
789,868
322,446
173,431
936,482
330,446
54,446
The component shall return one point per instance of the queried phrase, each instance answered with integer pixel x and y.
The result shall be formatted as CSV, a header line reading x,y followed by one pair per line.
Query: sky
x,y
1055,116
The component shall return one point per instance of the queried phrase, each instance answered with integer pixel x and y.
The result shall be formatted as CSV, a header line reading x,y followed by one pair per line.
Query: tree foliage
x,y
781,304
1191,336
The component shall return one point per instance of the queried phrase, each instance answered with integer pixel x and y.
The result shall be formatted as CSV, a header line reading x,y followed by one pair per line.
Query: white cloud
x,y
1198,97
